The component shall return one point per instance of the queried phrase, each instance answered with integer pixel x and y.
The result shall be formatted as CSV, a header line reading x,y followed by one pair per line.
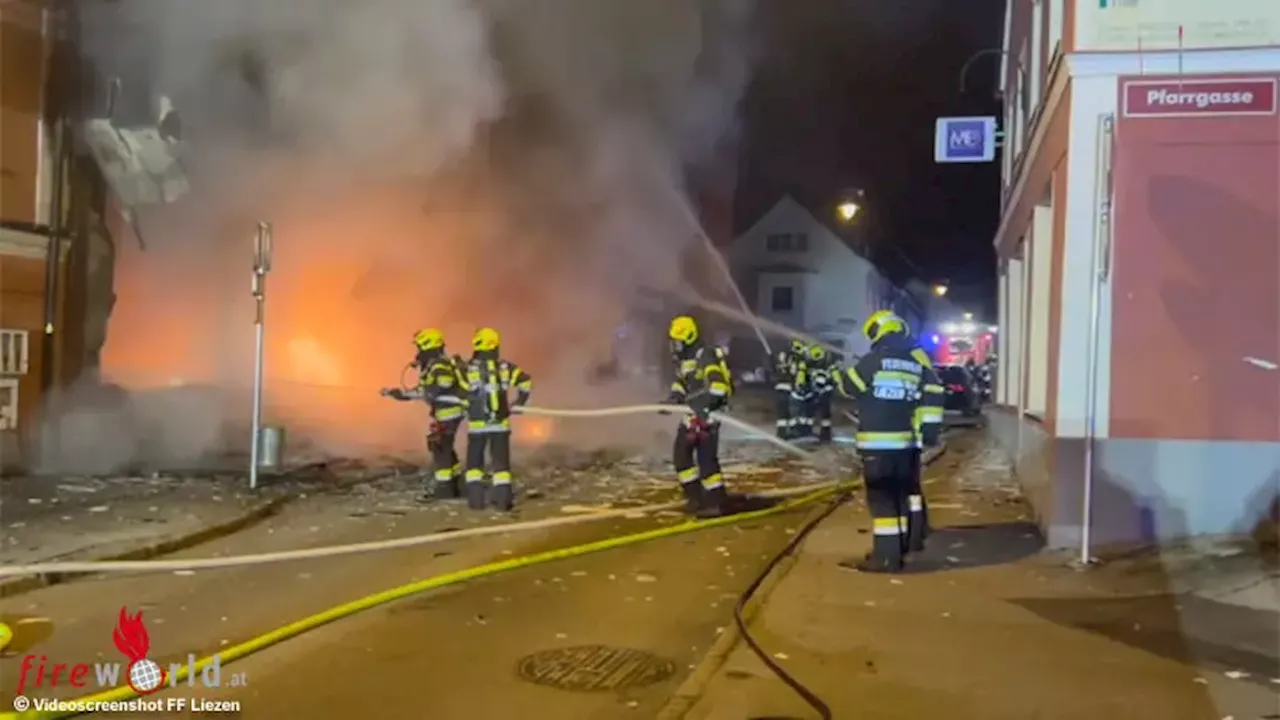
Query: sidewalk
x,y
137,517
134,517
985,626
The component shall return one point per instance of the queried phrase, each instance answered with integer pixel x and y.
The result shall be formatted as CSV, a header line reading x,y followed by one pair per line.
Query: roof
x,y
822,219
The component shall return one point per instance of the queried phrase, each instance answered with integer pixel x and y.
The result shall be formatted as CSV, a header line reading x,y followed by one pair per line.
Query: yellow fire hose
x,y
84,705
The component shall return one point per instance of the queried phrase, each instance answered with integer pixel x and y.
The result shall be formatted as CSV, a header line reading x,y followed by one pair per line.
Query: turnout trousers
x,y
917,507
495,442
822,416
889,475
782,408
801,417
697,464
445,465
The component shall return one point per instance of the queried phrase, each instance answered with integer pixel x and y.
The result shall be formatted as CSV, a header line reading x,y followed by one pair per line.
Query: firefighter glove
x,y
394,393
696,429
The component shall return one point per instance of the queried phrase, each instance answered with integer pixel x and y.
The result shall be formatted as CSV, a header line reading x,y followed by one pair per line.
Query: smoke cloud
x,y
448,163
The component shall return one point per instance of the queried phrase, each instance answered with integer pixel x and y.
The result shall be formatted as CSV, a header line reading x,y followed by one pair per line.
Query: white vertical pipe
x,y
1100,267
261,265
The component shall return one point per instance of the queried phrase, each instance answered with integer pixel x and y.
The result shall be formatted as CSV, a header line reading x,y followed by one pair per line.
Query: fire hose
x,y
798,497
145,566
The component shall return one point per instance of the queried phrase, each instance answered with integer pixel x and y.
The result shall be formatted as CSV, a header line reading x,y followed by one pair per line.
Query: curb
x,y
245,520
155,549
692,689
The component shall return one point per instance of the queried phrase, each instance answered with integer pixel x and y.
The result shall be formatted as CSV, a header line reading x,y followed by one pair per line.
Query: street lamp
x,y
968,316
940,290
847,210
850,204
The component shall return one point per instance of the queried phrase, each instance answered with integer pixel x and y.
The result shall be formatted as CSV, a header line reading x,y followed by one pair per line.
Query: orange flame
x,y
130,636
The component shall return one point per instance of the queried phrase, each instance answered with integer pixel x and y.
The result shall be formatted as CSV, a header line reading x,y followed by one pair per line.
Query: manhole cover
x,y
589,668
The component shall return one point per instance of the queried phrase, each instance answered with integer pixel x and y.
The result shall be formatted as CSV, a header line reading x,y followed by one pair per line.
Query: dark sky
x,y
845,94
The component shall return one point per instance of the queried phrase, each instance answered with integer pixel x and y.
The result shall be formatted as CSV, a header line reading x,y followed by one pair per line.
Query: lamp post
x,y
940,290
261,266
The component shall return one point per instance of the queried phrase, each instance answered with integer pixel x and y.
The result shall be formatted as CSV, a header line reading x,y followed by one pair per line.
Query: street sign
x,y
1199,97
965,140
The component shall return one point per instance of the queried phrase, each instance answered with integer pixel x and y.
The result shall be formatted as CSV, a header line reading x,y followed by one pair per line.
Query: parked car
x,y
963,393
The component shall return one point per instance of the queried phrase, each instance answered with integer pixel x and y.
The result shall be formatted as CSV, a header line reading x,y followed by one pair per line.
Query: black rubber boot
x,y
714,502
475,494
502,496
825,435
692,496
446,489
872,564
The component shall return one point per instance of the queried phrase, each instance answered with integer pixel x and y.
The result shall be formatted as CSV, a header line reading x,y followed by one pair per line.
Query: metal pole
x,y
261,266
1024,342
1099,270
56,92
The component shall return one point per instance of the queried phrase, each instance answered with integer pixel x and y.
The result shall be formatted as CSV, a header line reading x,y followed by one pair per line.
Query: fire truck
x,y
958,343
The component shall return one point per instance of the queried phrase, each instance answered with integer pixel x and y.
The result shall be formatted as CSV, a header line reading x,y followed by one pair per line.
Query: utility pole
x,y
261,266
57,90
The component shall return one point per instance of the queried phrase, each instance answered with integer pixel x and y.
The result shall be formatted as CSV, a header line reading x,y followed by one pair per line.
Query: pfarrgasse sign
x,y
1199,97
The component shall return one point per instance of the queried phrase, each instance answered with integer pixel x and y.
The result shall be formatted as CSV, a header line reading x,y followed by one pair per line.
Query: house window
x,y
787,242
783,299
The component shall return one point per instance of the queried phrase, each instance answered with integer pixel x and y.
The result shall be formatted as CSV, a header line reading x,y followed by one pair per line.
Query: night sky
x,y
845,95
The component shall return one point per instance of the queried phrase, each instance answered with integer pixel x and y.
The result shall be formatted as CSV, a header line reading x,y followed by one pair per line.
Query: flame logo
x,y
130,636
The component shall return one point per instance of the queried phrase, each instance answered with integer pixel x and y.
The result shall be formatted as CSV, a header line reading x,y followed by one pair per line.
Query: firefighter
x,y
801,420
489,380
899,410
821,389
702,383
929,423
784,362
438,386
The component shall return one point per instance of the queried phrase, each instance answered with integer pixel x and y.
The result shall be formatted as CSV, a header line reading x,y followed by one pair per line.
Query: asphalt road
x,y
450,653
630,622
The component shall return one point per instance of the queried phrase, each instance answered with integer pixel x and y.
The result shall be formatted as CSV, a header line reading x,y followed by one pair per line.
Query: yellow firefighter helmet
x,y
428,339
485,340
683,330
881,323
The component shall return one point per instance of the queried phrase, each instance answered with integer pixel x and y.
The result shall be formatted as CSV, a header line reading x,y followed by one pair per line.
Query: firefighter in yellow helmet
x,y
439,381
784,370
801,392
489,381
821,390
704,384
899,399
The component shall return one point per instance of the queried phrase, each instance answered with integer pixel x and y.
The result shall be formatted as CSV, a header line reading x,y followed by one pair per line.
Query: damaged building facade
x,y
67,169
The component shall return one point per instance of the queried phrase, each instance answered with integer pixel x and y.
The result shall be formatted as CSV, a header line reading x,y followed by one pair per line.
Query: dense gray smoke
x,y
451,163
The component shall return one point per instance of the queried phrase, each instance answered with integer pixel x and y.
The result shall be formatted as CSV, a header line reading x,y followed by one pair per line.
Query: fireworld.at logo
x,y
143,675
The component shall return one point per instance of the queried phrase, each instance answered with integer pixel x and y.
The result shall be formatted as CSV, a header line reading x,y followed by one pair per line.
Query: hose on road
x,y
174,565
85,705
79,706
739,610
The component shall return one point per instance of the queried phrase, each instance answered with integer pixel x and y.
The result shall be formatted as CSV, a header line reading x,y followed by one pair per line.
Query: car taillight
x,y
956,388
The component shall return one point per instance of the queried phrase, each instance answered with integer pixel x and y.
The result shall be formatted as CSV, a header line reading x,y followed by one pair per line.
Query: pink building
x,y
1140,265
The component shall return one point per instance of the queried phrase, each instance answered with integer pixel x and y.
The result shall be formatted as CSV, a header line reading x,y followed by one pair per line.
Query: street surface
x,y
983,626
459,644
